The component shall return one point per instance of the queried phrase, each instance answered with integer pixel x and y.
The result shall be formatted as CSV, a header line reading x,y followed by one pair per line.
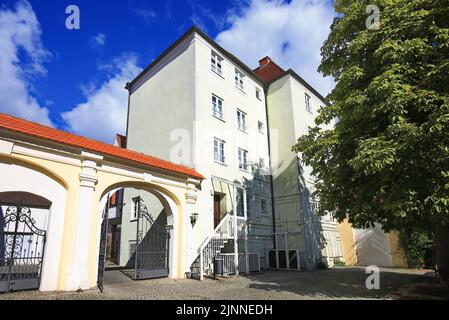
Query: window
x,y
135,209
263,206
241,120
239,80
260,126
219,151
216,63
217,107
243,155
258,94
307,101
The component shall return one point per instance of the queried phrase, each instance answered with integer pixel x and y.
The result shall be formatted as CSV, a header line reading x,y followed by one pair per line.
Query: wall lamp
x,y
193,218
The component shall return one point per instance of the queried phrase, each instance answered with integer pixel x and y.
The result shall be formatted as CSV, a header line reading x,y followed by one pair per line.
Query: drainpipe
x,y
128,88
265,89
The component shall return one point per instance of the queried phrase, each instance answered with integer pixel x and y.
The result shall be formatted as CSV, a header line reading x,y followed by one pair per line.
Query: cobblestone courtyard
x,y
338,283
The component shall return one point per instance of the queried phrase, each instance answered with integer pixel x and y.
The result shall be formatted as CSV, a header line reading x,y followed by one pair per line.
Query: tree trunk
x,y
442,252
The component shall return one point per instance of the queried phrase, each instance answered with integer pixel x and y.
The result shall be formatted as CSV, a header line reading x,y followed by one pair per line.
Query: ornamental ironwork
x,y
22,246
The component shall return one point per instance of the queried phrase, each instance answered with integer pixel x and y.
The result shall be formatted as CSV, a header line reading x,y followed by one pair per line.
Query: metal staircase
x,y
212,247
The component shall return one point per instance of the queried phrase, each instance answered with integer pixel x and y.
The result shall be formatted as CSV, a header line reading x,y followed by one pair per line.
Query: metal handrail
x,y
208,247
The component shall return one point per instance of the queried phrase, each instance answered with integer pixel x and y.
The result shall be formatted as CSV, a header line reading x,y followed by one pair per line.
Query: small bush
x,y
339,263
419,247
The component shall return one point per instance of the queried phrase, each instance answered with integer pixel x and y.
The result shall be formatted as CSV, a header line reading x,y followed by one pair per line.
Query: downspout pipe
x,y
265,89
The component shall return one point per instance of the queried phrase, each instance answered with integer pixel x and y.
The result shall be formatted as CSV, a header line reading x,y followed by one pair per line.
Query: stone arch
x,y
173,210
24,176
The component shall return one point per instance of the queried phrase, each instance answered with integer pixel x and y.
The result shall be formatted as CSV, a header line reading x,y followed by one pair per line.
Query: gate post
x,y
78,277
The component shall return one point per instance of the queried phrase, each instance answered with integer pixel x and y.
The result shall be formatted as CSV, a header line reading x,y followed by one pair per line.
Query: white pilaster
x,y
79,271
191,197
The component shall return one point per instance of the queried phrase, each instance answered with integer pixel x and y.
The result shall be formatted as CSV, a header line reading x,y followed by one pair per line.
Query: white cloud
x,y
99,39
146,14
104,112
291,33
21,60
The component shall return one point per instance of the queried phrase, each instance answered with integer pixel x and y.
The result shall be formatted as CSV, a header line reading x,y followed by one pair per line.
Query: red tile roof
x,y
39,131
268,70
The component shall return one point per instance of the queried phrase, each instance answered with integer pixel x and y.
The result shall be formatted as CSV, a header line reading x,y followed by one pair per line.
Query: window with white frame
x,y
258,94
307,102
260,126
243,159
219,150
241,120
239,80
135,208
217,107
216,62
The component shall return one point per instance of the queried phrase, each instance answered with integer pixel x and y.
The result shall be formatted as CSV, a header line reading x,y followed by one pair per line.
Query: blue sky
x,y
74,79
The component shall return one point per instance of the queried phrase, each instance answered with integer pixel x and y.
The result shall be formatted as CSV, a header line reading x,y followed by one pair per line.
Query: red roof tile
x,y
268,70
39,131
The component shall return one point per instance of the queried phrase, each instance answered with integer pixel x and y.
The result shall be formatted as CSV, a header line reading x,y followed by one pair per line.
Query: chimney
x,y
264,61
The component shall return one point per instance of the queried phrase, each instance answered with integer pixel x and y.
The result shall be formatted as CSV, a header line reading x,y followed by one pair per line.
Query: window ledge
x,y
218,74
220,163
217,117
242,91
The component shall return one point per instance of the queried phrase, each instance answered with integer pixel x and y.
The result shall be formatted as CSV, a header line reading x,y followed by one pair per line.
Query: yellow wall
x,y
397,253
66,170
347,241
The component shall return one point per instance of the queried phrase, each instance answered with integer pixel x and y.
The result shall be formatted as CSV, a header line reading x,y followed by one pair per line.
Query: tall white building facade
x,y
200,106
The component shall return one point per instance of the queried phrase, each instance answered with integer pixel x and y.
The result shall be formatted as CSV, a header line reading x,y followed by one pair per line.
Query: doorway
x,y
217,210
135,236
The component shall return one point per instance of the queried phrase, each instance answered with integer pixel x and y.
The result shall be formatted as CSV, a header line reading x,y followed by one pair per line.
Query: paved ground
x,y
338,283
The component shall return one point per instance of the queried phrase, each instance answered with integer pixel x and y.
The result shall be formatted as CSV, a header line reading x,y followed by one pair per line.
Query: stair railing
x,y
211,247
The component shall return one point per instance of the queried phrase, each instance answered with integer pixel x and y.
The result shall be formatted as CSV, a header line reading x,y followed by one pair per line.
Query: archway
x,y
41,195
138,234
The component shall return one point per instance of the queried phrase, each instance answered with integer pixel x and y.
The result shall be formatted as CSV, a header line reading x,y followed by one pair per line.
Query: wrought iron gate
x,y
103,245
22,247
152,246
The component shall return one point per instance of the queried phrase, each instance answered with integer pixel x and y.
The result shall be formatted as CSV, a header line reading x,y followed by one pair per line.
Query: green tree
x,y
387,158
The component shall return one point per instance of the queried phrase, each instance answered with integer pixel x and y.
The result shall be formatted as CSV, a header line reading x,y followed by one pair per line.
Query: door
x,y
217,212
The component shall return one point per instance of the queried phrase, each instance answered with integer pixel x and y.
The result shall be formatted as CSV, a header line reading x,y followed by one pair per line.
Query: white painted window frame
x,y
219,150
241,120
217,107
243,159
216,63
307,101
239,80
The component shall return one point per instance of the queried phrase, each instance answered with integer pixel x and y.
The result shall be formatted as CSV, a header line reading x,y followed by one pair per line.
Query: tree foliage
x,y
387,158
418,246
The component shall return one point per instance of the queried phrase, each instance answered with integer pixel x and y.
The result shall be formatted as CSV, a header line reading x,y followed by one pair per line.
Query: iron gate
x,y
152,245
22,247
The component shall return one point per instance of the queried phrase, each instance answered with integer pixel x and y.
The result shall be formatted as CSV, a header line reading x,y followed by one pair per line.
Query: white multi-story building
x,y
200,106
